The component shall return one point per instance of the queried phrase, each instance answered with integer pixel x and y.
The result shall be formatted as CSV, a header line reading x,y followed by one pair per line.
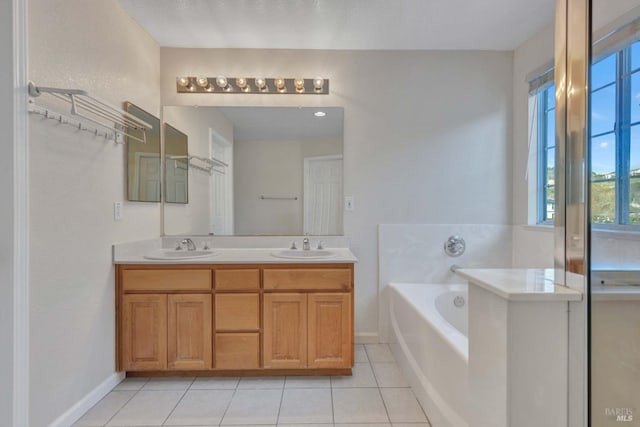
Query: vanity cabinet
x,y
218,319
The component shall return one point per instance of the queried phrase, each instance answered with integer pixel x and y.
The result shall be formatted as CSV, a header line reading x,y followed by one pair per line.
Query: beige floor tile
x,y
131,384
379,353
360,354
261,383
168,383
200,407
389,375
147,408
411,424
215,383
306,406
308,382
358,405
105,409
362,377
253,407
402,405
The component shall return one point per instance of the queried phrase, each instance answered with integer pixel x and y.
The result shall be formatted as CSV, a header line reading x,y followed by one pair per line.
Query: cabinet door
x,y
330,338
237,350
144,332
189,332
285,330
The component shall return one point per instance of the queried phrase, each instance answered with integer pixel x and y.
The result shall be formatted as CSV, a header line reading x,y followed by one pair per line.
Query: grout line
x,y
235,390
178,402
280,406
125,404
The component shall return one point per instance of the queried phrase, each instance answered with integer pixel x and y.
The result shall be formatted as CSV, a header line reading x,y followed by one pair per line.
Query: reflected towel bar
x,y
278,198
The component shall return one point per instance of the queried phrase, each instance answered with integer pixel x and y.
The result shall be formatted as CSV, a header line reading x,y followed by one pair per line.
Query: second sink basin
x,y
169,254
302,254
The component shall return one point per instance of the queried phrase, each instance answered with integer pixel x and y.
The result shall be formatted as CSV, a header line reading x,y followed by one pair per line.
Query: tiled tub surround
x,y
376,395
413,253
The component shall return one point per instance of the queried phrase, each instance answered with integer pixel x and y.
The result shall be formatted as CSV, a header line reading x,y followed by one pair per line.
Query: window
x,y
614,141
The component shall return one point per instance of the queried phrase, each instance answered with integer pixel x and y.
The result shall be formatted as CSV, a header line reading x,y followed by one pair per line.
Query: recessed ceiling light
x,y
319,114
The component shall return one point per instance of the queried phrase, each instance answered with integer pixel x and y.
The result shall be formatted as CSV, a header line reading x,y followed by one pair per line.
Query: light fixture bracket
x,y
191,85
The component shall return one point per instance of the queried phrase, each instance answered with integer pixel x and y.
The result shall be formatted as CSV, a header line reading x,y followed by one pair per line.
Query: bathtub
x,y
428,336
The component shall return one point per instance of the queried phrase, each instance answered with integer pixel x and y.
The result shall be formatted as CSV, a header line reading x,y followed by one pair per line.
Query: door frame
x,y
305,189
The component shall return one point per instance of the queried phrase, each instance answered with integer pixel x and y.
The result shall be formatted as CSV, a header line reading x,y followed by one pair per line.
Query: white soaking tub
x,y
429,340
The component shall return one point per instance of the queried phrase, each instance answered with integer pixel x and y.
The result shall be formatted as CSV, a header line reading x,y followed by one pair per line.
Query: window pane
x,y
635,55
603,110
551,97
635,97
550,185
603,167
634,177
551,128
603,72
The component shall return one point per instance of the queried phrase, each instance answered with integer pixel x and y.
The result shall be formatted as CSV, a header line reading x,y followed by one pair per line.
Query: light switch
x,y
117,211
348,204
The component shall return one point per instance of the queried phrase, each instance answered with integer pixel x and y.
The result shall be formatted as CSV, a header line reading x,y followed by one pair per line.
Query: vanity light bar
x,y
257,85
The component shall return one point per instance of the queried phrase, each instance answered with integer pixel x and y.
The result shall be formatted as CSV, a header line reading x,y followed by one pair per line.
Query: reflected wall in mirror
x,y
176,155
143,158
285,173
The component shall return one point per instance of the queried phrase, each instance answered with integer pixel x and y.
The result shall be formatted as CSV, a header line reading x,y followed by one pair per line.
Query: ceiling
x,y
283,123
342,24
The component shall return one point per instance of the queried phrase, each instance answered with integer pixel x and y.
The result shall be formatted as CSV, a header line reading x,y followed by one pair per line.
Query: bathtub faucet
x,y
454,268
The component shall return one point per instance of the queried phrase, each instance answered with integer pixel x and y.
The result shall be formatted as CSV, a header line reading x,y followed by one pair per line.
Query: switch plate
x,y
349,205
117,211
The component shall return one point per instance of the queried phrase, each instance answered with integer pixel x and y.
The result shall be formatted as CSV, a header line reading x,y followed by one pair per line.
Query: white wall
x,y
273,168
7,219
426,133
194,217
75,179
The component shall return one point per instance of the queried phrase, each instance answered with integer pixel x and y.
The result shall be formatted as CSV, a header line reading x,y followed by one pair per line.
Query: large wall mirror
x,y
284,173
143,158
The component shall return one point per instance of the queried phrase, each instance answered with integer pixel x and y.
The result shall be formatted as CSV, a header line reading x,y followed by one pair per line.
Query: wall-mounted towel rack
x,y
113,122
211,164
278,198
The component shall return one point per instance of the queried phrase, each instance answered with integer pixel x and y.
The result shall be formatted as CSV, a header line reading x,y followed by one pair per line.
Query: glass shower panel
x,y
614,171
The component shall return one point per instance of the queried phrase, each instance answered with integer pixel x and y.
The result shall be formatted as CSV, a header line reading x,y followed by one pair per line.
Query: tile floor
x,y
376,395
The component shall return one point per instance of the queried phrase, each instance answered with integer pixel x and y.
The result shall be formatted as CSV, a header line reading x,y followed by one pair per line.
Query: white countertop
x,y
531,284
240,256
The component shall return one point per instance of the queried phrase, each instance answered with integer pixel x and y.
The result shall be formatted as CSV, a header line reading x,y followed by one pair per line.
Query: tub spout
x,y
454,268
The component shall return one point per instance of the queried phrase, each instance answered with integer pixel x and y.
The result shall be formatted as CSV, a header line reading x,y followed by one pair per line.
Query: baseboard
x,y
367,338
74,413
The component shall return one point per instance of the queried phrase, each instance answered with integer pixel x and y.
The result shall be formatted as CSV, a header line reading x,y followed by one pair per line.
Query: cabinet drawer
x,y
308,278
237,279
166,280
237,350
237,311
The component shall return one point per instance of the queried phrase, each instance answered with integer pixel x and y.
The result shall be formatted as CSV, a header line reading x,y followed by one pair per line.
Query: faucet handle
x,y
206,246
320,246
293,245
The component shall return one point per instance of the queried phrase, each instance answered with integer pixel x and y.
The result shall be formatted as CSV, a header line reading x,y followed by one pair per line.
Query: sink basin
x,y
301,254
172,254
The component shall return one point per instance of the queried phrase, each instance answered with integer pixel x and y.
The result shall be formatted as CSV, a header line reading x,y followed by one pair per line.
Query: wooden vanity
x,y
234,319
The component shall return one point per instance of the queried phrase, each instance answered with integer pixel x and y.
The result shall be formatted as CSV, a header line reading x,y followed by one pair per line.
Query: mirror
x,y
284,173
143,158
176,155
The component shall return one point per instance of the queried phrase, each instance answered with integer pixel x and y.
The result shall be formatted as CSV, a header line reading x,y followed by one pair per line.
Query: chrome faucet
x,y
306,245
188,243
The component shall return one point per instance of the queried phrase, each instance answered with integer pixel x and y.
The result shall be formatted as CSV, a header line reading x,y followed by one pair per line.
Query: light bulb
x,y
241,82
318,83
261,83
299,84
203,82
319,114
183,81
280,84
221,81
